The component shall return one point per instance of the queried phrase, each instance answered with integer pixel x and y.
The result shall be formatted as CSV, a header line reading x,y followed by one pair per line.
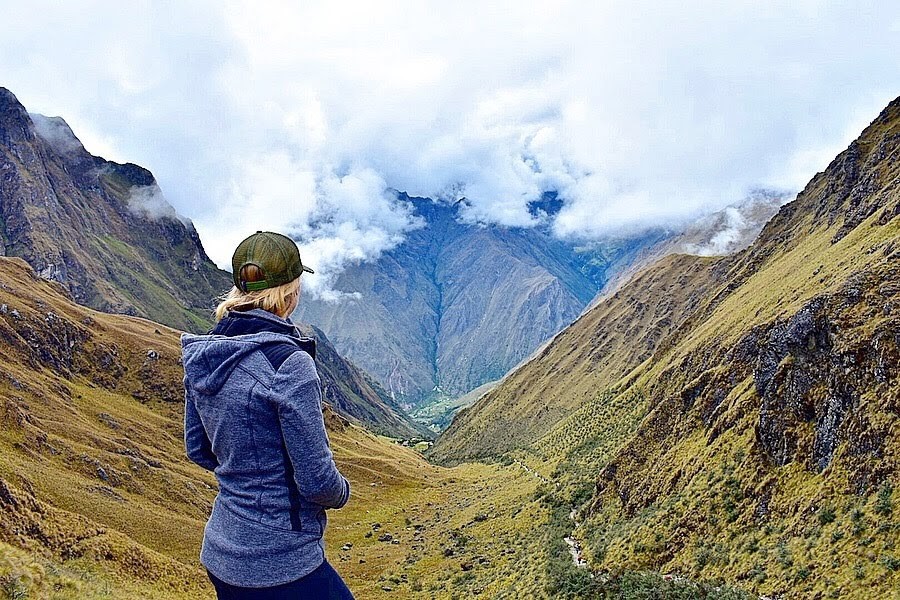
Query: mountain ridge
x,y
457,305
102,229
105,233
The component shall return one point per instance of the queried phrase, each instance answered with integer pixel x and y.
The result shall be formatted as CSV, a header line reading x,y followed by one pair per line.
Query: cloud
x,y
298,117
148,202
733,228
56,132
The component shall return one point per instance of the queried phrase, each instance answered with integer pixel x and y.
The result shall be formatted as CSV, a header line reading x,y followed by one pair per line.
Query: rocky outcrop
x,y
816,367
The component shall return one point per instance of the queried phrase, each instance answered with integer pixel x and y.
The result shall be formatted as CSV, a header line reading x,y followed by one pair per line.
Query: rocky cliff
x,y
101,229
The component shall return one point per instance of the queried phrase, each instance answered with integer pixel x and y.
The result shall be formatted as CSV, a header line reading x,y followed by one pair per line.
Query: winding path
x,y
575,550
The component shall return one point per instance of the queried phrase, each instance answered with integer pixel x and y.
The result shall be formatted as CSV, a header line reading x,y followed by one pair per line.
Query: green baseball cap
x,y
276,255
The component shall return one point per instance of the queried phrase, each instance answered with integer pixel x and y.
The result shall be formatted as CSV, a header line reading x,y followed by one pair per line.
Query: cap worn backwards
x,y
276,255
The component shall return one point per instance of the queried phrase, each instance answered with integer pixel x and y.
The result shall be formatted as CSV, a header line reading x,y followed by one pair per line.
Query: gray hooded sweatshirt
x,y
253,415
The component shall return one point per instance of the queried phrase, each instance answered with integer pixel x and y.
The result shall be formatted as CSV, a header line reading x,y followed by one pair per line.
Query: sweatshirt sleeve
x,y
196,441
303,428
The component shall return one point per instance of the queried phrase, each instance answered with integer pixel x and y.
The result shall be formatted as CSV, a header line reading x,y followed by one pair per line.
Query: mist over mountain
x,y
620,283
719,417
458,304
101,229
105,232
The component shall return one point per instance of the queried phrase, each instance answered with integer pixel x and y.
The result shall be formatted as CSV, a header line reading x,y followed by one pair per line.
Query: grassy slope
x,y
602,346
662,437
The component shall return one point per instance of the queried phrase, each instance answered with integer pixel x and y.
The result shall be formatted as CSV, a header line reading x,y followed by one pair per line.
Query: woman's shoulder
x,y
295,367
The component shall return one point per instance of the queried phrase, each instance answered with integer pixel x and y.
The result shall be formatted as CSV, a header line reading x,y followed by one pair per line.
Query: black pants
x,y
324,583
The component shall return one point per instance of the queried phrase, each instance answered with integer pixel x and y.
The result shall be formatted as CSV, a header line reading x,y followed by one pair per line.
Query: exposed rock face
x,y
101,229
457,305
810,370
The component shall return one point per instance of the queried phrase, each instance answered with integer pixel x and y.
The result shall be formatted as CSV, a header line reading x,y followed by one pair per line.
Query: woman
x,y
253,415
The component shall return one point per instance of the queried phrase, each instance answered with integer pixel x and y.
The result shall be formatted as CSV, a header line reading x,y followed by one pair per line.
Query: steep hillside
x,y
101,229
599,348
456,306
724,232
734,417
97,499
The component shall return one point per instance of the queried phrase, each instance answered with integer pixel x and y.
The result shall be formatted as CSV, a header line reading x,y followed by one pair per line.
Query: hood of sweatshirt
x,y
210,359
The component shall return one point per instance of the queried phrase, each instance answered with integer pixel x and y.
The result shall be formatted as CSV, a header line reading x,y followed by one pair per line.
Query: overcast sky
x,y
296,116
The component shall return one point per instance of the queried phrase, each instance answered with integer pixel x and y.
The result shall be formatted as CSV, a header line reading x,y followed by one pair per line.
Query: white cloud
x,y
148,201
297,116
56,132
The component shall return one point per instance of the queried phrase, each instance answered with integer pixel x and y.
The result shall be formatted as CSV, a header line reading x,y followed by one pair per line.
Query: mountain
x,y
106,234
353,393
731,229
732,417
457,305
723,232
103,230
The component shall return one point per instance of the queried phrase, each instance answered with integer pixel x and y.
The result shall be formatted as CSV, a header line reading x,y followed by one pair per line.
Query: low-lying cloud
x,y
149,202
298,117
56,132
734,227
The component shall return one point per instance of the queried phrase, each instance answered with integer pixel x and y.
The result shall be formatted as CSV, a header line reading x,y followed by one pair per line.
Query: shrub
x,y
826,515
892,563
883,504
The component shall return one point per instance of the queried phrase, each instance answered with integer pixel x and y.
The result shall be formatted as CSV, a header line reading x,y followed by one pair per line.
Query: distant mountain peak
x,y
459,303
16,124
8,101
548,205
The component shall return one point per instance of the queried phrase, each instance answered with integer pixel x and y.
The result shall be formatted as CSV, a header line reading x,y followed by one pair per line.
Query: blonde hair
x,y
276,300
